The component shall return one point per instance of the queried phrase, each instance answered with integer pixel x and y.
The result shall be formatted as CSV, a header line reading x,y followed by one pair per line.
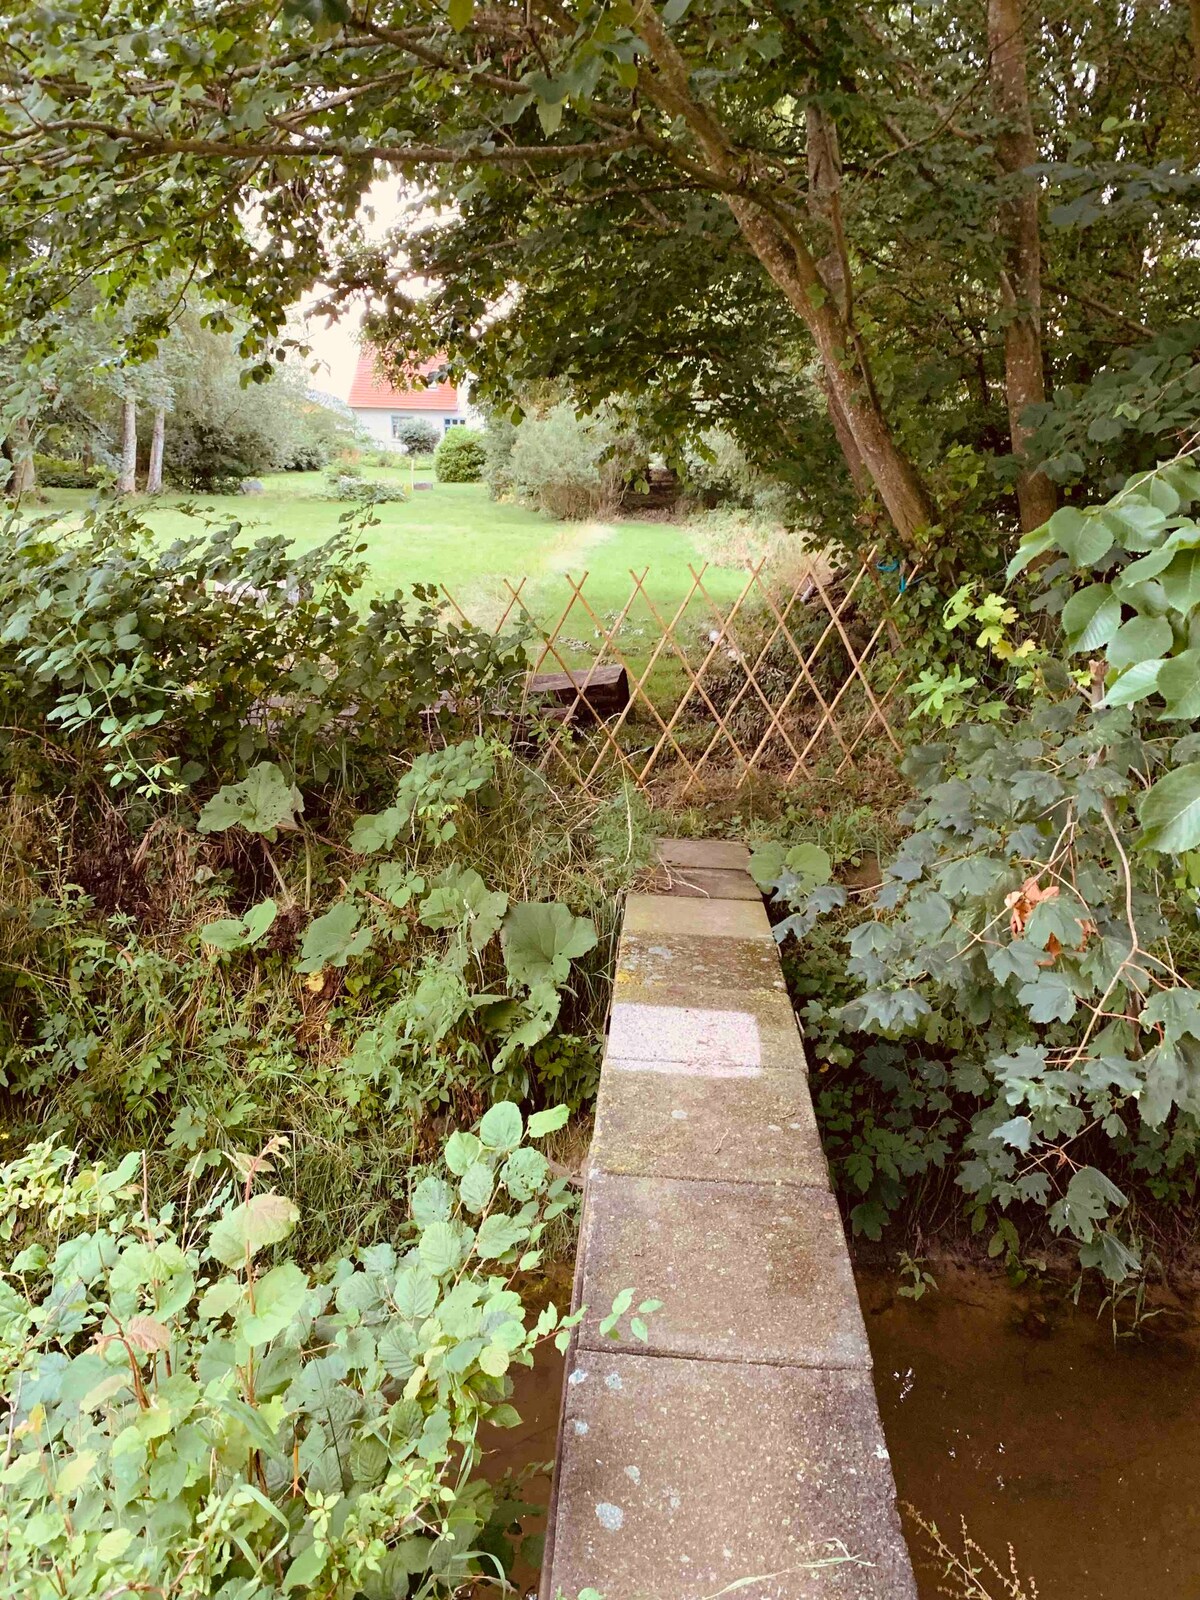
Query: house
x,y
381,408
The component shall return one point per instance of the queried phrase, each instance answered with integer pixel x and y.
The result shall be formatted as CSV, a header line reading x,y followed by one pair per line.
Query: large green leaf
x,y
1091,616
541,941
1141,639
1179,684
1081,535
263,803
278,1297
1170,812
1136,683
262,1220
331,940
1181,581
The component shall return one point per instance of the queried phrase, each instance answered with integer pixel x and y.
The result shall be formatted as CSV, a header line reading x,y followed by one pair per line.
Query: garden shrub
x,y
57,472
195,1412
342,484
460,456
1025,966
102,624
418,435
570,466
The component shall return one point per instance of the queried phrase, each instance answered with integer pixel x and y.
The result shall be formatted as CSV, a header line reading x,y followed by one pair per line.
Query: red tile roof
x,y
373,392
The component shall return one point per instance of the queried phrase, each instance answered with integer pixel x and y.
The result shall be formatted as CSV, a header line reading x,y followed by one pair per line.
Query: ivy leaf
x,y
1170,812
333,939
1017,1133
1090,617
1047,998
541,941
262,803
1089,1197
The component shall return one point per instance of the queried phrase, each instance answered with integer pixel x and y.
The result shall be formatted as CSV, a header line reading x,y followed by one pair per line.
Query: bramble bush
x,y
1024,966
193,1411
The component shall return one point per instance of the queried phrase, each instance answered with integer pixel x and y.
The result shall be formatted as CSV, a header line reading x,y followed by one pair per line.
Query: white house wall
x,y
379,423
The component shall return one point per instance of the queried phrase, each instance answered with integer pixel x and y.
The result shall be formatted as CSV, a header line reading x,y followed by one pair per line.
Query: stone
x,y
667,917
746,1272
714,854
707,964
756,1130
698,883
685,1482
701,1031
251,486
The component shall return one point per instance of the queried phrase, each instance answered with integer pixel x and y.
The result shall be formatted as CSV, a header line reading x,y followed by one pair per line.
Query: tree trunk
x,y
22,478
1021,277
127,481
792,266
154,471
824,185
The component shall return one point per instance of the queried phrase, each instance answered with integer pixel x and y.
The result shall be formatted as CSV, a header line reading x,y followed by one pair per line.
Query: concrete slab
x,y
698,1030
680,960
698,883
746,1272
679,1483
667,917
756,1130
718,855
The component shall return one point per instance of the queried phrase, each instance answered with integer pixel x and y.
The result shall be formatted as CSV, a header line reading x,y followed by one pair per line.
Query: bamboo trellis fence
x,y
785,680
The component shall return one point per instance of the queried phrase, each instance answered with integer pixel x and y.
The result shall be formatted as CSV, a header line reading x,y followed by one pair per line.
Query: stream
x,y
1020,1414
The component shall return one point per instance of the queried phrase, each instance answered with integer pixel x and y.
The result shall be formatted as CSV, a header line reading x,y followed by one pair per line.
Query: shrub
x,y
460,456
719,472
243,627
419,436
193,1412
349,484
571,466
1025,971
56,472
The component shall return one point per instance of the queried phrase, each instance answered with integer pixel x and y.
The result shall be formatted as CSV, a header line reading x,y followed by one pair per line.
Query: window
x,y
452,422
397,423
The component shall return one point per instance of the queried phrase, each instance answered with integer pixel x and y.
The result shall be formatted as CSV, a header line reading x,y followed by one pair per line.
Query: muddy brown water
x,y
1021,1415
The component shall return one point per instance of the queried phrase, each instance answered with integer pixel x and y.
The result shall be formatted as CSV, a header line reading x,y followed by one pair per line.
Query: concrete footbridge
x,y
739,1451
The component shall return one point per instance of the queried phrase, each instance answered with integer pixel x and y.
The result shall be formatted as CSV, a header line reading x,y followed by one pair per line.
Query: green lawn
x,y
453,534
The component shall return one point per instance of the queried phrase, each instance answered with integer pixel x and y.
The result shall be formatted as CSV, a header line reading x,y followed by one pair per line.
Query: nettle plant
x,y
1019,966
191,1412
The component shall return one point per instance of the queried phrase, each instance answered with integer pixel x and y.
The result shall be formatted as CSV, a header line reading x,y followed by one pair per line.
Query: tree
x,y
154,473
127,477
560,152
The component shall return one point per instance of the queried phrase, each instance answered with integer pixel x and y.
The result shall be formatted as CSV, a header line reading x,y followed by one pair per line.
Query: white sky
x,y
335,348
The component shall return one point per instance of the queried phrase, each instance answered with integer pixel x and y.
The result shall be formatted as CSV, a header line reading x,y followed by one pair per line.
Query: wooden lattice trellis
x,y
770,714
